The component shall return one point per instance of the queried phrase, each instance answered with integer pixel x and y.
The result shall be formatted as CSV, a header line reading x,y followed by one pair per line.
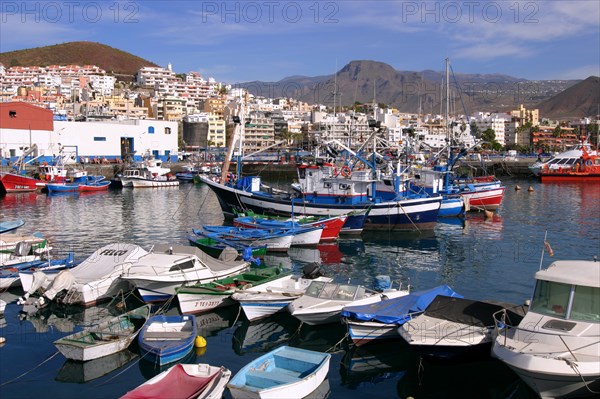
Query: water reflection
x,y
150,369
368,365
209,324
81,372
488,378
264,335
323,338
64,318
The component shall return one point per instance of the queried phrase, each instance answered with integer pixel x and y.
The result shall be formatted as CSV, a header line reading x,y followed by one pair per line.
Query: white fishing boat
x,y
323,302
105,338
278,294
167,267
95,279
155,182
555,348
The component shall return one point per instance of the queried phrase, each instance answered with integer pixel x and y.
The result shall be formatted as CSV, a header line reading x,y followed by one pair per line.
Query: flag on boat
x,y
548,248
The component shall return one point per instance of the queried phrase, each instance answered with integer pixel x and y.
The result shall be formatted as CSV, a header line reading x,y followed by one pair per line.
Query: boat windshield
x,y
552,299
343,292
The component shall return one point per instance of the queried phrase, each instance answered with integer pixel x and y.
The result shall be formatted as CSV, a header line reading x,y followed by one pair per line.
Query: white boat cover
x,y
113,258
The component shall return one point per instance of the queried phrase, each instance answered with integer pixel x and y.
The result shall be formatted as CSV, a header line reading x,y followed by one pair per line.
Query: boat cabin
x,y
336,292
562,293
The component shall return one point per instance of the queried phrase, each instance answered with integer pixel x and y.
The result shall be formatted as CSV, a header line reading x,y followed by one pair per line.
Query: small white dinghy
x,y
106,338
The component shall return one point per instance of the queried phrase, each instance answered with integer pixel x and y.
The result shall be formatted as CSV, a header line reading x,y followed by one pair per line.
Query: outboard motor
x,y
382,283
311,271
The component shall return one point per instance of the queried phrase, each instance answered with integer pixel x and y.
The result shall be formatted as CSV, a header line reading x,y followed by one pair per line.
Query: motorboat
x,y
323,302
453,327
95,279
555,348
566,159
278,294
158,273
380,320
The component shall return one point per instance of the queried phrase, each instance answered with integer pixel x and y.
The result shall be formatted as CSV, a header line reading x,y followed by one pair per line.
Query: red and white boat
x,y
483,199
18,181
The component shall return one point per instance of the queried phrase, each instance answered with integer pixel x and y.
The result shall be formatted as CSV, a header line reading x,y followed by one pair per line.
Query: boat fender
x,y
2,340
200,342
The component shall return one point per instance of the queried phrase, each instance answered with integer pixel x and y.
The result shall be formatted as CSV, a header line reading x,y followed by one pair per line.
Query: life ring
x,y
588,162
346,171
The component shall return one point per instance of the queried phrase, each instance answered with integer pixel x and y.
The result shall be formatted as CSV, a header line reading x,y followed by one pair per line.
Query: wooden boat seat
x,y
266,379
161,335
295,362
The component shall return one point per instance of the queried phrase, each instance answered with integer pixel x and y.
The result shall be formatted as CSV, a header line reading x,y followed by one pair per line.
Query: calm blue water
x,y
481,259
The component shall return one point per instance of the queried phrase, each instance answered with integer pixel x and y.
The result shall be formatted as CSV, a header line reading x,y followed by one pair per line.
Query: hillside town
x,y
102,119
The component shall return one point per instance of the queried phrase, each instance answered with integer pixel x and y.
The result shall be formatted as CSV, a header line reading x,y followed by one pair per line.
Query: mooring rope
x,y
27,372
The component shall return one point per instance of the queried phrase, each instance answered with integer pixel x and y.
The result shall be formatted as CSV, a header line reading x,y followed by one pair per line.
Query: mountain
x,y
582,99
366,81
110,59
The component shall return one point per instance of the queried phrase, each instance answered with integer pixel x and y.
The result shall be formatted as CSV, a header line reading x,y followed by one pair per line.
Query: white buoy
x,y
517,187
2,340
530,189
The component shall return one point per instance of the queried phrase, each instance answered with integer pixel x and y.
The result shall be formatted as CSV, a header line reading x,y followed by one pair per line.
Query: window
x,y
150,129
586,304
99,138
550,298
167,130
12,114
182,266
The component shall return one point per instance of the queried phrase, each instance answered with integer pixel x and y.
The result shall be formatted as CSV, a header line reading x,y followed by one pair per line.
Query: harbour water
x,y
481,259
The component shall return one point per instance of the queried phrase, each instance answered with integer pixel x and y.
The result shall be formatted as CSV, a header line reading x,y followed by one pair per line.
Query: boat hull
x,y
362,332
150,183
484,200
563,382
14,183
569,177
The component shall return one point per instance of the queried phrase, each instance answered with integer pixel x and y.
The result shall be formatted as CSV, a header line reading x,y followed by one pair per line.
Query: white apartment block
x,y
103,84
496,122
150,76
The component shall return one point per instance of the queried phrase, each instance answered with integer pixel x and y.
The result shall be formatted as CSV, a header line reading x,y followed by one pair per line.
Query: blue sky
x,y
237,41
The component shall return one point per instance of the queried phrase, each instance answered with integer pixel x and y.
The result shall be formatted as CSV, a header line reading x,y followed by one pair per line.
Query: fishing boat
x,y
585,169
285,372
105,338
155,182
147,169
323,302
380,320
95,279
10,225
184,381
17,180
303,236
323,192
555,348
453,327
204,297
277,295
10,276
275,241
166,339
157,274
332,226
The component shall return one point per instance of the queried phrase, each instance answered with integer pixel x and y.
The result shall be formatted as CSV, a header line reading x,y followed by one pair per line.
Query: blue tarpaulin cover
x,y
398,310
